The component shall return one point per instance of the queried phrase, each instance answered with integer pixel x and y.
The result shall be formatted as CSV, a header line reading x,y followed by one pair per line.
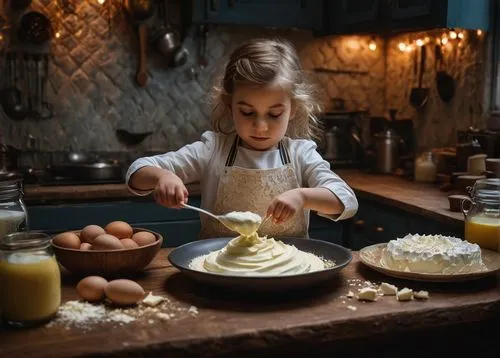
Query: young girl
x,y
259,156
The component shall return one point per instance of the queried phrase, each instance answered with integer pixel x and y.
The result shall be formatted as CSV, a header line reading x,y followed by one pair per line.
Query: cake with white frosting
x,y
432,254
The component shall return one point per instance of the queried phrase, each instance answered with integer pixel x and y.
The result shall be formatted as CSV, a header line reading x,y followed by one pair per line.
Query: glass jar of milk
x,y
13,213
30,278
482,214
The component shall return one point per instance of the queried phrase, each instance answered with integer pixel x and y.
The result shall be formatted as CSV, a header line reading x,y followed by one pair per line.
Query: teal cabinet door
x,y
354,16
273,13
408,15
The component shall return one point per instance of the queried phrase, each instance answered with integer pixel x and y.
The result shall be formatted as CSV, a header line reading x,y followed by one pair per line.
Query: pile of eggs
x,y
121,292
116,235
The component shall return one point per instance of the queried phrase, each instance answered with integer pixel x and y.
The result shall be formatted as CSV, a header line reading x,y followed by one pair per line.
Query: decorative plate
x,y
371,257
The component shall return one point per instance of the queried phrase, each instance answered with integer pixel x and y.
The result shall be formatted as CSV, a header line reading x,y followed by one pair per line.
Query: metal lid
x,y
486,190
388,133
10,176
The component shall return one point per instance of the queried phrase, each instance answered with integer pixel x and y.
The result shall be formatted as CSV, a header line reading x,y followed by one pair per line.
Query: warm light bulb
x,y
101,2
427,39
460,35
409,48
438,40
372,46
453,35
402,46
1,37
479,32
58,35
444,40
419,42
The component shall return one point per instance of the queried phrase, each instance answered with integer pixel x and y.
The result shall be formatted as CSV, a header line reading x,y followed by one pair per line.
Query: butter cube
x,y
423,295
405,295
152,300
367,294
387,289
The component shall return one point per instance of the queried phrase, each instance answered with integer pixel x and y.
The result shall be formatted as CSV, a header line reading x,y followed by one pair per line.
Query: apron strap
x,y
231,157
285,156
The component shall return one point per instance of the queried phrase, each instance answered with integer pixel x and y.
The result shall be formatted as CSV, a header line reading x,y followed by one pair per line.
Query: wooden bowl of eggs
x,y
116,249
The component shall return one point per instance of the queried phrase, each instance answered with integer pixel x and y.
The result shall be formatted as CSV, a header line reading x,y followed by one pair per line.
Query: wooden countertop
x,y
292,324
420,198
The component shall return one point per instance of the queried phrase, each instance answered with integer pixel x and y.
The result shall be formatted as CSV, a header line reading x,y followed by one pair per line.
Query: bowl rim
x,y
158,235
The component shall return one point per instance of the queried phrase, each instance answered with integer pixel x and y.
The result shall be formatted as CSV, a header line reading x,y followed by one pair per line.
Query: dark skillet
x,y
181,256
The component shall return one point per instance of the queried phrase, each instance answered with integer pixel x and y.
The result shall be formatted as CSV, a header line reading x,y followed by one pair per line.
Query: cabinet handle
x,y
359,223
378,229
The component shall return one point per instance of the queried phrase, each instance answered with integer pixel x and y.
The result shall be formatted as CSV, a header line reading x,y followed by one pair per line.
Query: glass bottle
x,y
425,167
13,212
482,214
30,279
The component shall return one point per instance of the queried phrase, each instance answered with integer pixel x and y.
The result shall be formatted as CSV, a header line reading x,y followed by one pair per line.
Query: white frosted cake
x,y
434,254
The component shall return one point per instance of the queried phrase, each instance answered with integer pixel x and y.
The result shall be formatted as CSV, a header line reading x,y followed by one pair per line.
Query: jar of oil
x,y
482,214
30,280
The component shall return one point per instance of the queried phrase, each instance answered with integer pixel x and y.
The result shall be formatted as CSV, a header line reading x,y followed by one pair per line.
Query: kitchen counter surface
x,y
216,323
420,198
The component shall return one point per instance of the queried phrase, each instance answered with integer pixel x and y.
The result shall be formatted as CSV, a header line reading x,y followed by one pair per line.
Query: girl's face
x,y
260,114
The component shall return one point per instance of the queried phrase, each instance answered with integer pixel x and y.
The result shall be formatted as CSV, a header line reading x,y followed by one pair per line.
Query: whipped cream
x,y
258,256
434,254
243,222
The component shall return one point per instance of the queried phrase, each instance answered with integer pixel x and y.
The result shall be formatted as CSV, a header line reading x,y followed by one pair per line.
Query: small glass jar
x,y
482,214
425,167
30,279
13,212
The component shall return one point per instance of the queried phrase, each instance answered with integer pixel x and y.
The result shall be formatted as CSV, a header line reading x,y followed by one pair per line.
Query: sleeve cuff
x,y
350,205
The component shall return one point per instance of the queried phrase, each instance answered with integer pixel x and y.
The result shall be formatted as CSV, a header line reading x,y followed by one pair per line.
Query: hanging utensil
x,y
169,42
35,28
444,82
11,97
419,95
140,11
46,109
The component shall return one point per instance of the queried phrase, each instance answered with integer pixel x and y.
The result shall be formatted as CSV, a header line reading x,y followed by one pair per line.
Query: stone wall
x,y
92,84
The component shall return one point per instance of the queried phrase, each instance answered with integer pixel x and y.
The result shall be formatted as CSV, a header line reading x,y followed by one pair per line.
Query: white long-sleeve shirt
x,y
203,161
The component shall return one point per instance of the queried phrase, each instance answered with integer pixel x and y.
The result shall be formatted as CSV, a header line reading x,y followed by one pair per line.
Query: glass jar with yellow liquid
x,y
482,214
13,213
30,280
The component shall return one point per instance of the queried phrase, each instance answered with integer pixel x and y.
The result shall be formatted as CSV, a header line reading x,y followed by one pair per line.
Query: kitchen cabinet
x,y
353,16
377,223
406,15
176,226
393,16
272,13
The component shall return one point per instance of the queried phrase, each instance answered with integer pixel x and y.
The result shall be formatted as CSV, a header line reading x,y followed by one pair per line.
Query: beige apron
x,y
242,189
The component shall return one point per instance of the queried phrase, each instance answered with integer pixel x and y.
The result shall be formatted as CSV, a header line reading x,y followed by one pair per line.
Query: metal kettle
x,y
387,145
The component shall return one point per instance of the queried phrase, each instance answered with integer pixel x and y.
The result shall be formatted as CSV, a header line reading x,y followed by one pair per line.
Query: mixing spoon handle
x,y
200,210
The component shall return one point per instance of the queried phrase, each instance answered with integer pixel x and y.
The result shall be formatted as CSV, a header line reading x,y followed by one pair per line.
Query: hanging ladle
x,y
245,223
419,95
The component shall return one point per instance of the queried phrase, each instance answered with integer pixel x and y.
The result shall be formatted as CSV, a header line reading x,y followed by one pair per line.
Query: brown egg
x,y
128,243
106,242
143,238
91,288
124,292
85,246
120,229
90,232
67,239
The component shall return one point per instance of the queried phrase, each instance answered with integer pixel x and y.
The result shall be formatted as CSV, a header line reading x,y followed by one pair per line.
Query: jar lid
x,y
487,190
10,176
388,133
24,240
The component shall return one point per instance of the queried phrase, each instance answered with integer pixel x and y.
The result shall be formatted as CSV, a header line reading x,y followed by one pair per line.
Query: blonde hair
x,y
267,62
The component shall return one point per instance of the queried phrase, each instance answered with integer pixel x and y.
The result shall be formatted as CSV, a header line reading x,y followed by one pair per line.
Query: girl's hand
x,y
285,205
170,191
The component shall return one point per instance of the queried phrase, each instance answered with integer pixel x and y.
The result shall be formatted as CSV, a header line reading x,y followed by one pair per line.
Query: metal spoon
x,y
240,225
